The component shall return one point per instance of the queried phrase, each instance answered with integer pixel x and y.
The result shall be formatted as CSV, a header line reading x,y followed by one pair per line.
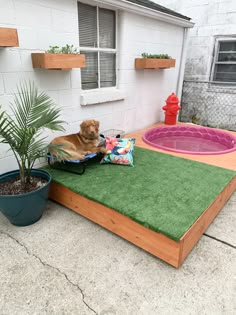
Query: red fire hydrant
x,y
171,109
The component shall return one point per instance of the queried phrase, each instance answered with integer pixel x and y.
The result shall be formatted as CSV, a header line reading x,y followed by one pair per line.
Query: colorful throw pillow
x,y
121,151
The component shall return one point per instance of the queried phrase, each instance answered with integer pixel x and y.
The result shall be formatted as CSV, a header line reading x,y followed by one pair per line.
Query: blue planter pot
x,y
25,209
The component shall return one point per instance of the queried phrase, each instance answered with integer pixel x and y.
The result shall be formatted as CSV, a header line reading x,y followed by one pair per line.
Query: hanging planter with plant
x,y
56,58
154,61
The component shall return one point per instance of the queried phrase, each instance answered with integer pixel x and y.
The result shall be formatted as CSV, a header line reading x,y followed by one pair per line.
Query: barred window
x,y
224,67
97,38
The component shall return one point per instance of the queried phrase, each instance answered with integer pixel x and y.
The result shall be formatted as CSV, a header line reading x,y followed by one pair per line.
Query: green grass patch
x,y
161,192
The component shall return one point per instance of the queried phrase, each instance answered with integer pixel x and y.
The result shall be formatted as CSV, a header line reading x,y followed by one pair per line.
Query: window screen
x,y
106,28
87,25
107,69
225,62
97,37
90,73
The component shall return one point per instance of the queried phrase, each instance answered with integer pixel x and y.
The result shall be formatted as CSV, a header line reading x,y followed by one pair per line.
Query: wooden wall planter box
x,y
152,63
58,61
8,37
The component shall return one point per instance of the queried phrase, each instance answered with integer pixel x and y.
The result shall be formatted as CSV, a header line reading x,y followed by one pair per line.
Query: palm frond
x,y
33,111
58,151
7,129
36,150
23,103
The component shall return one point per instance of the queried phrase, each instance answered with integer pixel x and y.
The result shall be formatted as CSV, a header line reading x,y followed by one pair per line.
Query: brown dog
x,y
77,145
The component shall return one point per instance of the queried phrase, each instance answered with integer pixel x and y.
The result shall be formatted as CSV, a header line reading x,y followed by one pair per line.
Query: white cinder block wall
x,y
41,23
211,18
146,90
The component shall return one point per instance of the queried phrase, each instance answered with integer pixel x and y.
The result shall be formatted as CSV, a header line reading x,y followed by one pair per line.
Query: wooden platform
x,y
155,243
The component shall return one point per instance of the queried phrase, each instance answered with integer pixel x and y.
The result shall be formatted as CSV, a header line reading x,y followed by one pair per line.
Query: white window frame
x,y
98,49
218,40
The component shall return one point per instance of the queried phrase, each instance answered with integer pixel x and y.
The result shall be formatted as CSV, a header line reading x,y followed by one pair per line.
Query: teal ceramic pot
x,y
25,209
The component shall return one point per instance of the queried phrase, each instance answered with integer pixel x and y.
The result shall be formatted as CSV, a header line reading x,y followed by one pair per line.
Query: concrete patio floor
x,y
65,264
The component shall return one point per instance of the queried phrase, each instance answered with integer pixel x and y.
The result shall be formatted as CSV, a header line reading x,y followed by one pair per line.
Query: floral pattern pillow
x,y
121,151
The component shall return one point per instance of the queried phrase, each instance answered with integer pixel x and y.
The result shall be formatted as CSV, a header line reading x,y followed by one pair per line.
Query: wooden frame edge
x,y
154,63
155,243
9,37
194,233
58,61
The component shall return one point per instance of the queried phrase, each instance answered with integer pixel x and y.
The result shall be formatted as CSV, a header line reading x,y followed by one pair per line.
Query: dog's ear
x,y
83,124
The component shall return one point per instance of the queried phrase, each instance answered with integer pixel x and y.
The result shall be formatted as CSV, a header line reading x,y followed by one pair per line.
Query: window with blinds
x,y
97,38
224,68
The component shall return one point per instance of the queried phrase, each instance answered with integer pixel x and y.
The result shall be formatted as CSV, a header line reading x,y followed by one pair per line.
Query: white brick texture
x,y
41,23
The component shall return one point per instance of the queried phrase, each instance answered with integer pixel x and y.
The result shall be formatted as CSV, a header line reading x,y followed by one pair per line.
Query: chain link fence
x,y
208,104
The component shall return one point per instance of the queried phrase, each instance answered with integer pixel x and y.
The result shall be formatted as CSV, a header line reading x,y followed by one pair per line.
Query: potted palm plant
x,y
24,192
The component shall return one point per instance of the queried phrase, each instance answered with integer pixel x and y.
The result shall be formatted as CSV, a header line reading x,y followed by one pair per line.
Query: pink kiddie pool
x,y
190,139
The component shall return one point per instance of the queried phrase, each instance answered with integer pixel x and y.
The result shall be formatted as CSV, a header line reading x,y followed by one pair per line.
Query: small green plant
x,y
156,56
68,49
196,119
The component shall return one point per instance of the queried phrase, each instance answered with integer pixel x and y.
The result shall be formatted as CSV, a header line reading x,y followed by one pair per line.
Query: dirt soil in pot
x,y
13,187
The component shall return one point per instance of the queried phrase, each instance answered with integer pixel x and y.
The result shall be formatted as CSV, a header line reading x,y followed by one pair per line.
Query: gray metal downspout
x,y
180,79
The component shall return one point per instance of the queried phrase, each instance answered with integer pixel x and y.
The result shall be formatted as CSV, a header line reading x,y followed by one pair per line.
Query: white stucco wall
x,y
41,23
211,18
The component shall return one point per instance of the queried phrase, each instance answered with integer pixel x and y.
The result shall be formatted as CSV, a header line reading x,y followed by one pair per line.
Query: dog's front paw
x,y
104,150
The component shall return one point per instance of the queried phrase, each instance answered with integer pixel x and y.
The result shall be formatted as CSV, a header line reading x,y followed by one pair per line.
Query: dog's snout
x,y
92,131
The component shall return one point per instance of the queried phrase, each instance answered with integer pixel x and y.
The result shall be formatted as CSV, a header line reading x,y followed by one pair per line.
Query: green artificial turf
x,y
161,192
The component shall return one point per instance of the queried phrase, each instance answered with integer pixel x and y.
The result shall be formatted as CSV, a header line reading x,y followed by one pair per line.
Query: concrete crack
x,y
55,268
218,240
